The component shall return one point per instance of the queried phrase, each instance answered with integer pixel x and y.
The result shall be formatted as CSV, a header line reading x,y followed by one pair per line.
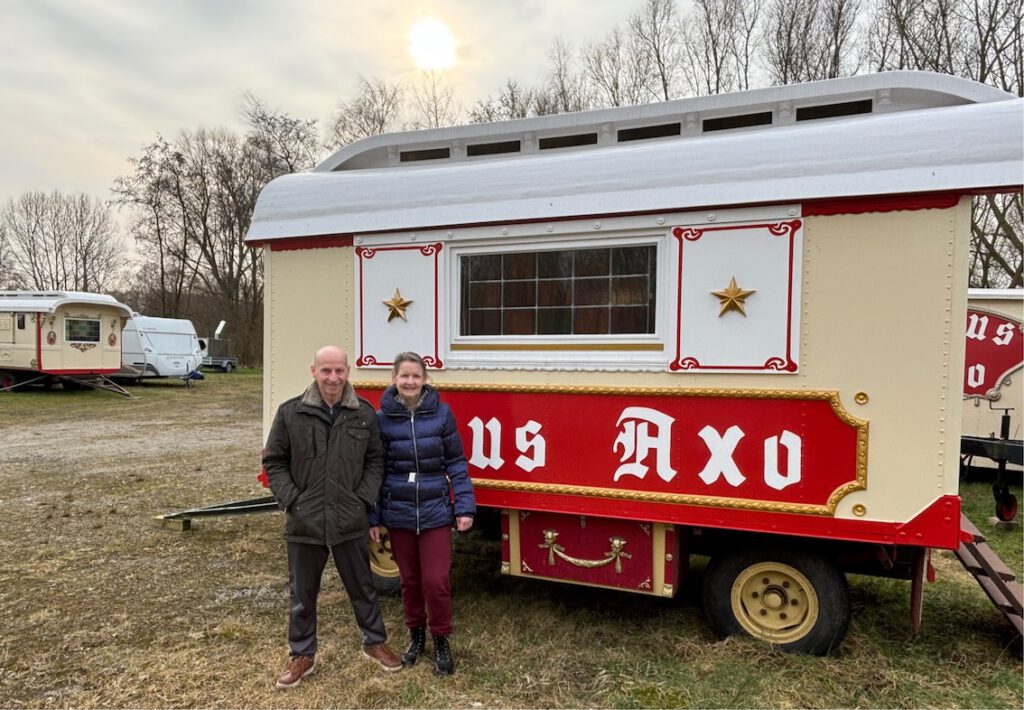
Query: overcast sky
x,y
85,84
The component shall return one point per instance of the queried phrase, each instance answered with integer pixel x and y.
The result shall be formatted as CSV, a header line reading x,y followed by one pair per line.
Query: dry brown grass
x,y
101,608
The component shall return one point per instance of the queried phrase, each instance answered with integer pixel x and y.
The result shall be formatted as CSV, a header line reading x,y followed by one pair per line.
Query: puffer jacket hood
x,y
426,483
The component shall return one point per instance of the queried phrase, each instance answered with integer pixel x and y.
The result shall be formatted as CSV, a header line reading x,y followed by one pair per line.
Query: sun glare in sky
x,y
431,45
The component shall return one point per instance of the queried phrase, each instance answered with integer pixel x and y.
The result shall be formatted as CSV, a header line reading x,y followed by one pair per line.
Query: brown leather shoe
x,y
298,668
383,656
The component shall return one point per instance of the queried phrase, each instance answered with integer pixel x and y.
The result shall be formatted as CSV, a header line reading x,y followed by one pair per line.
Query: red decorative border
x,y
786,229
324,241
39,342
938,525
881,203
367,253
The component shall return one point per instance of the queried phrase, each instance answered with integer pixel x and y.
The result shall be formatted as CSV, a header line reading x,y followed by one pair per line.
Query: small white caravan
x,y
159,347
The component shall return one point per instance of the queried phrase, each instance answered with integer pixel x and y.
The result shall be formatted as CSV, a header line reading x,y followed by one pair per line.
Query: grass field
x,y
99,607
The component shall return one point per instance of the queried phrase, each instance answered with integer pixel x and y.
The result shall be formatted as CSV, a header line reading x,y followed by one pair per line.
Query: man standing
x,y
324,463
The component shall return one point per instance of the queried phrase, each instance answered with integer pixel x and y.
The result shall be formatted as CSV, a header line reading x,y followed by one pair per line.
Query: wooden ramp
x,y
999,583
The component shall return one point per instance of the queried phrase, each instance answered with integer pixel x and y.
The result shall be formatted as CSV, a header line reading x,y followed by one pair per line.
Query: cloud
x,y
88,83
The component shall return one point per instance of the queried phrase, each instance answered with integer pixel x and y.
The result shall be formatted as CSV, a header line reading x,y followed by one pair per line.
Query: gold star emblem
x,y
396,306
732,298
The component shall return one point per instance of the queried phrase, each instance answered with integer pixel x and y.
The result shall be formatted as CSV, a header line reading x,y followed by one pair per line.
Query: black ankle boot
x,y
417,644
445,664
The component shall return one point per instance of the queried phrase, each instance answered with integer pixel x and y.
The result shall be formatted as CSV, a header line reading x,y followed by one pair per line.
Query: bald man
x,y
324,461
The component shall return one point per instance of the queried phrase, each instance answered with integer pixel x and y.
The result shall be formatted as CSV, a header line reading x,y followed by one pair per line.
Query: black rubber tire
x,y
387,585
726,592
7,379
228,367
1006,507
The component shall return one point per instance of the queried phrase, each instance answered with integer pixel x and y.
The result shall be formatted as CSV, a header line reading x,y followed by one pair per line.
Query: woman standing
x,y
426,490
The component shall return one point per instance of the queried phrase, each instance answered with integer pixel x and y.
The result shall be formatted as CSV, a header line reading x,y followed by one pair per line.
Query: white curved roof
x,y
50,301
954,136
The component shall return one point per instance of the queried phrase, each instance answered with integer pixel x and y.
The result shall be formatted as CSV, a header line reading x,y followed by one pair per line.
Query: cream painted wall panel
x,y
309,304
881,295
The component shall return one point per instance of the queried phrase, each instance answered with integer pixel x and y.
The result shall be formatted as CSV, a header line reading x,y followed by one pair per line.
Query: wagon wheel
x,y
383,565
7,380
1006,503
795,600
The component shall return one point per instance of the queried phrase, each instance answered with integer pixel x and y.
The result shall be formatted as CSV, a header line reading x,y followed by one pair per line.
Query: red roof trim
x,y
323,241
882,203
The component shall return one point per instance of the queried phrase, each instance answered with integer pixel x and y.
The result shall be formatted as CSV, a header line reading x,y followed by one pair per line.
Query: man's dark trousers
x,y
305,568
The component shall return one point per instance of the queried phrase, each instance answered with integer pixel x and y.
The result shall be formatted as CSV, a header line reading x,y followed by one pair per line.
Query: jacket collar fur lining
x,y
311,397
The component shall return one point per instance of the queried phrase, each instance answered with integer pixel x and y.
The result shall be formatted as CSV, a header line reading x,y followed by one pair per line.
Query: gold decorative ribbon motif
x,y
615,555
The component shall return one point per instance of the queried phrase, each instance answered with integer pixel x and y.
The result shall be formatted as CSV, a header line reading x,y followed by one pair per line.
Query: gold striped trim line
x,y
687,499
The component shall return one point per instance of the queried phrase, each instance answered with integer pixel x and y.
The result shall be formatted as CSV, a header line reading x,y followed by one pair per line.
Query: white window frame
x,y
633,351
99,330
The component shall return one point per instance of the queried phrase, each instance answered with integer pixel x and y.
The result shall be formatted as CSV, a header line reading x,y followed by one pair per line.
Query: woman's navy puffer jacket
x,y
425,443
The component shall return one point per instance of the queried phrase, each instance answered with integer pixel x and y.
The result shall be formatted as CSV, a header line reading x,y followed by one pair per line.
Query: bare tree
x,y
789,49
710,66
656,29
996,47
513,101
746,39
162,245
434,100
917,34
191,201
566,89
807,40
59,241
619,70
997,253
6,261
375,109
978,39
288,144
836,38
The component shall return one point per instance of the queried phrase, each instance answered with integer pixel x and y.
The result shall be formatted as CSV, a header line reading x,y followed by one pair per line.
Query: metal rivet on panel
x,y
792,211
661,220
550,228
712,217
597,225
359,240
412,237
504,231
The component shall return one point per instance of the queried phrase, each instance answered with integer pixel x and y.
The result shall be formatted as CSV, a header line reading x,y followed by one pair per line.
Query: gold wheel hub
x,y
774,602
382,563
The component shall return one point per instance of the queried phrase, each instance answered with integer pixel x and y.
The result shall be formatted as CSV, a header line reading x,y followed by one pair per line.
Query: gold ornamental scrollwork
x,y
615,554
